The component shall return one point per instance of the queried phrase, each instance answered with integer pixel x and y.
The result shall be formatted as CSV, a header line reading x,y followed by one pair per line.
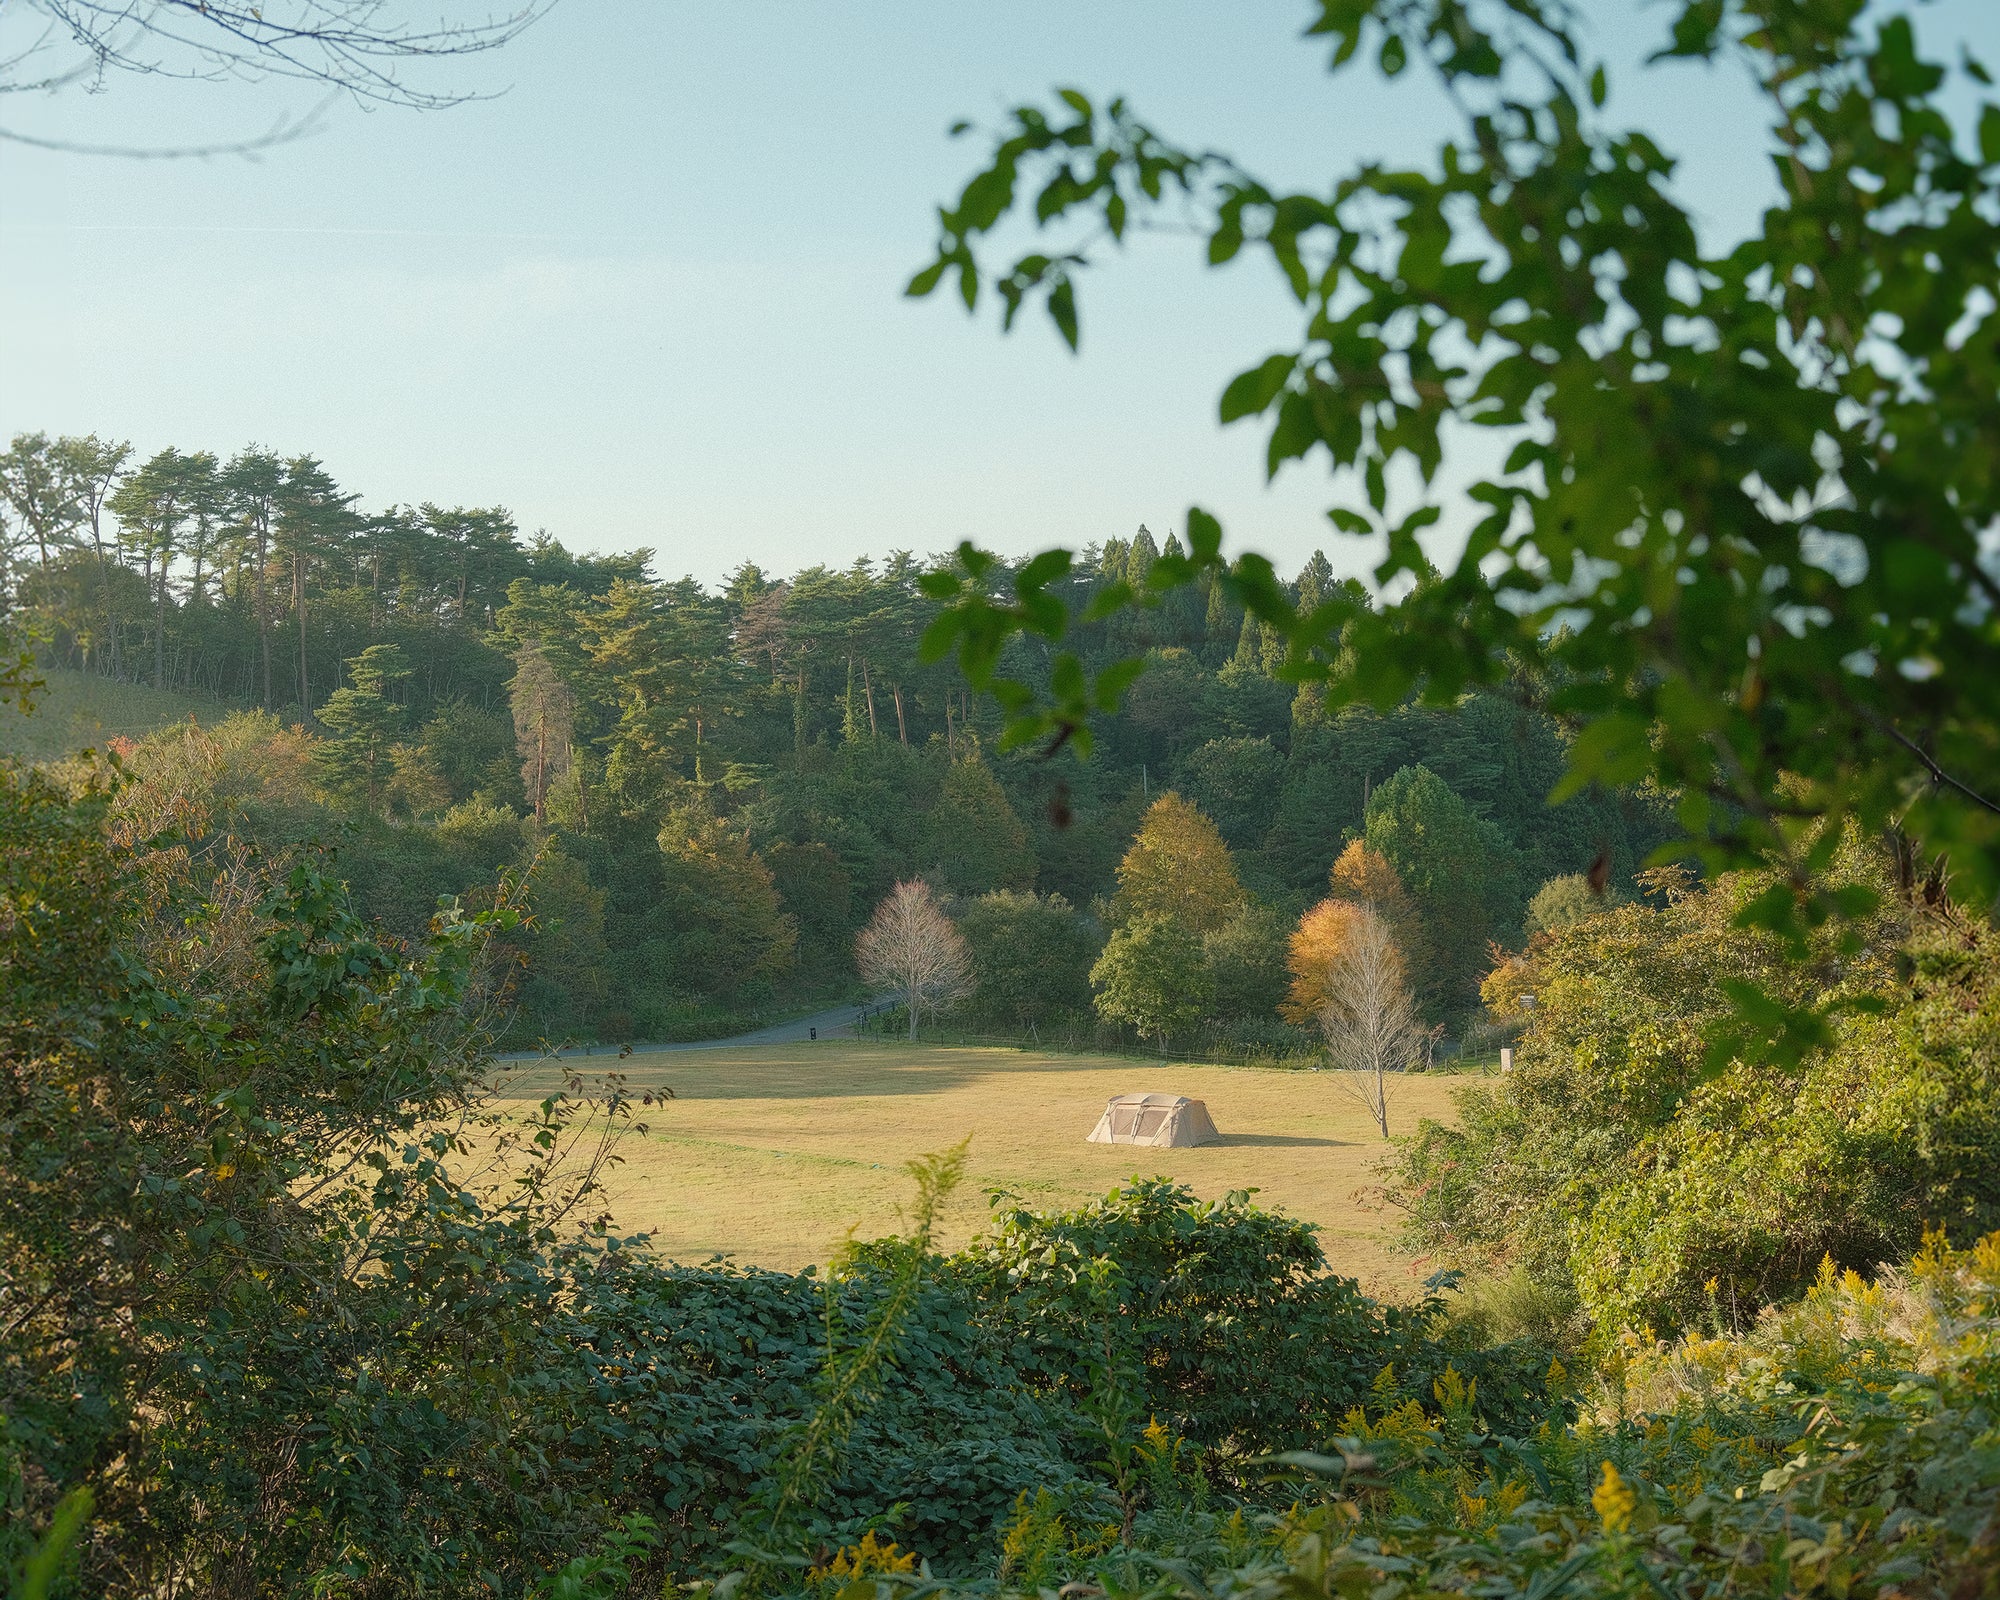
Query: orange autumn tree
x,y
1361,881
1318,943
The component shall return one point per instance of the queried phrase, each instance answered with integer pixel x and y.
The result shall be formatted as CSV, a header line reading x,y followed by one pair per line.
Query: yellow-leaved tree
x,y
1179,870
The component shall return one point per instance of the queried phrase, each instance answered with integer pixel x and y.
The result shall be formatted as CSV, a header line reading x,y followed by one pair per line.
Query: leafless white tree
x,y
911,946
1369,1021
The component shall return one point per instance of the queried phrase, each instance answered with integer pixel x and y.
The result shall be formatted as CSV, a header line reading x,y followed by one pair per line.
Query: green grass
x,y
773,1153
76,709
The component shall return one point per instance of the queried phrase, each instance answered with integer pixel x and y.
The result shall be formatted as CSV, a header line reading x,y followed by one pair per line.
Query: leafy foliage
x,y
1179,870
1457,869
247,1237
1031,957
1739,533
1655,1176
1150,976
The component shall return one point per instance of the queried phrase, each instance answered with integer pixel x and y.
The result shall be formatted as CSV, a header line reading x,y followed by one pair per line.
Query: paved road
x,y
830,1024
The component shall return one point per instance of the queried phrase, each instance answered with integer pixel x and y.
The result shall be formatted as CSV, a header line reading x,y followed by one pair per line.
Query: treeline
x,y
713,788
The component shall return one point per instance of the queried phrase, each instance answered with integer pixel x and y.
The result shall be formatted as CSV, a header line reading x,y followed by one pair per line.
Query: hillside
x,y
75,709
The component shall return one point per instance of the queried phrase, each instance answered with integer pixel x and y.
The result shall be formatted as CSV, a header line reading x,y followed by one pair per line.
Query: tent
x,y
1155,1119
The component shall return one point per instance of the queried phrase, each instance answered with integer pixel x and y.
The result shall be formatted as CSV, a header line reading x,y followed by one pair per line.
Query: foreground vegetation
x,y
300,1306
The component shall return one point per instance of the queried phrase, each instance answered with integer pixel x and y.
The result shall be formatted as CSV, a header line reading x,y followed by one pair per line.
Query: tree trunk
x,y
541,763
260,581
110,667
160,629
902,727
868,693
299,599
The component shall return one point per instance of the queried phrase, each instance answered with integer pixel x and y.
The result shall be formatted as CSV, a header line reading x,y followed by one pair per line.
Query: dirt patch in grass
x,y
771,1154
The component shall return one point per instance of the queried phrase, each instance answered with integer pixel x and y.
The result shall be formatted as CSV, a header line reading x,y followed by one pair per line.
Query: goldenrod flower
x,y
1613,1501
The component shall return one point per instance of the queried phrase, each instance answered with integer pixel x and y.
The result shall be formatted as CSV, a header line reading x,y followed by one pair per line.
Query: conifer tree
x,y
365,724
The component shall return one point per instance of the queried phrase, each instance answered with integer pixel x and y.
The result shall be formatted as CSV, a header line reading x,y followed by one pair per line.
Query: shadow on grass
x,y
1276,1139
848,1068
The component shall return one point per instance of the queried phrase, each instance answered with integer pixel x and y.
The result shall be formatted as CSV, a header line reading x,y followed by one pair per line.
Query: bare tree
x,y
357,48
911,946
1369,1020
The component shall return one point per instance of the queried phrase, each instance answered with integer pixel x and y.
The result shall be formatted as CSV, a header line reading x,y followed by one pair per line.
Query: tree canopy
x,y
1179,870
1740,532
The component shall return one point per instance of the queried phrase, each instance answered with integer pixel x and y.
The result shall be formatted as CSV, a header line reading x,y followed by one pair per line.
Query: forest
x,y
1676,777
709,793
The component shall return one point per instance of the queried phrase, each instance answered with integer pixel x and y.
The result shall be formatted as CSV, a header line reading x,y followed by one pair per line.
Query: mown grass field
x,y
772,1153
75,709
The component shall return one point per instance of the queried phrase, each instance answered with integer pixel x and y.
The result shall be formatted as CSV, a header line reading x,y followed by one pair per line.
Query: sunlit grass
x,y
771,1154
74,709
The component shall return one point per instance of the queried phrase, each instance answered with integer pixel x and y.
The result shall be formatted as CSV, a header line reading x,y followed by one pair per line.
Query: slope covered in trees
x,y
711,790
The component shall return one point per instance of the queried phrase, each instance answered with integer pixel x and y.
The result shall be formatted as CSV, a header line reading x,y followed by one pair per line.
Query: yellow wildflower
x,y
869,1556
1613,1501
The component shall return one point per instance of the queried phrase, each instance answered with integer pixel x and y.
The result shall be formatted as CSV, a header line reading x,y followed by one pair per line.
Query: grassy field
x,y
78,709
770,1154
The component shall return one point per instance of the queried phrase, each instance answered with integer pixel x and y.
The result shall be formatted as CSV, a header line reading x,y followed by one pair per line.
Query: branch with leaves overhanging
x,y
1742,530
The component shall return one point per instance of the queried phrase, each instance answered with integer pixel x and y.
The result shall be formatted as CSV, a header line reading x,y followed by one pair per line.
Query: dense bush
x,y
1195,1295
1630,1158
1843,1447
695,1380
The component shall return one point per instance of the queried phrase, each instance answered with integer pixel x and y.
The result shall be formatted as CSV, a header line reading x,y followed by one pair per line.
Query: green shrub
x,y
1629,1159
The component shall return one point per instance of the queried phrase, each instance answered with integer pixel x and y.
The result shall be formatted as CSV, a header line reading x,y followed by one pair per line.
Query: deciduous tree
x,y
1178,869
1460,872
1031,956
1317,946
719,908
1151,977
1368,1019
1569,898
911,947
1742,530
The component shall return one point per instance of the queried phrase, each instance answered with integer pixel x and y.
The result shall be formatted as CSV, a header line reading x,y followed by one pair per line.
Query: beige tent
x,y
1155,1119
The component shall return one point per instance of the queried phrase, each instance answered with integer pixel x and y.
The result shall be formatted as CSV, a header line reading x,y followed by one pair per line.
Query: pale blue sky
x,y
652,293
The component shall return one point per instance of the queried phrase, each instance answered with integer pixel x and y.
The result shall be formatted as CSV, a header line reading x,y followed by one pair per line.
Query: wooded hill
x,y
711,788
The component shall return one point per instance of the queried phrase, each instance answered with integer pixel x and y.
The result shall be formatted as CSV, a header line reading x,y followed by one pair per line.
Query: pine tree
x,y
365,724
544,724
